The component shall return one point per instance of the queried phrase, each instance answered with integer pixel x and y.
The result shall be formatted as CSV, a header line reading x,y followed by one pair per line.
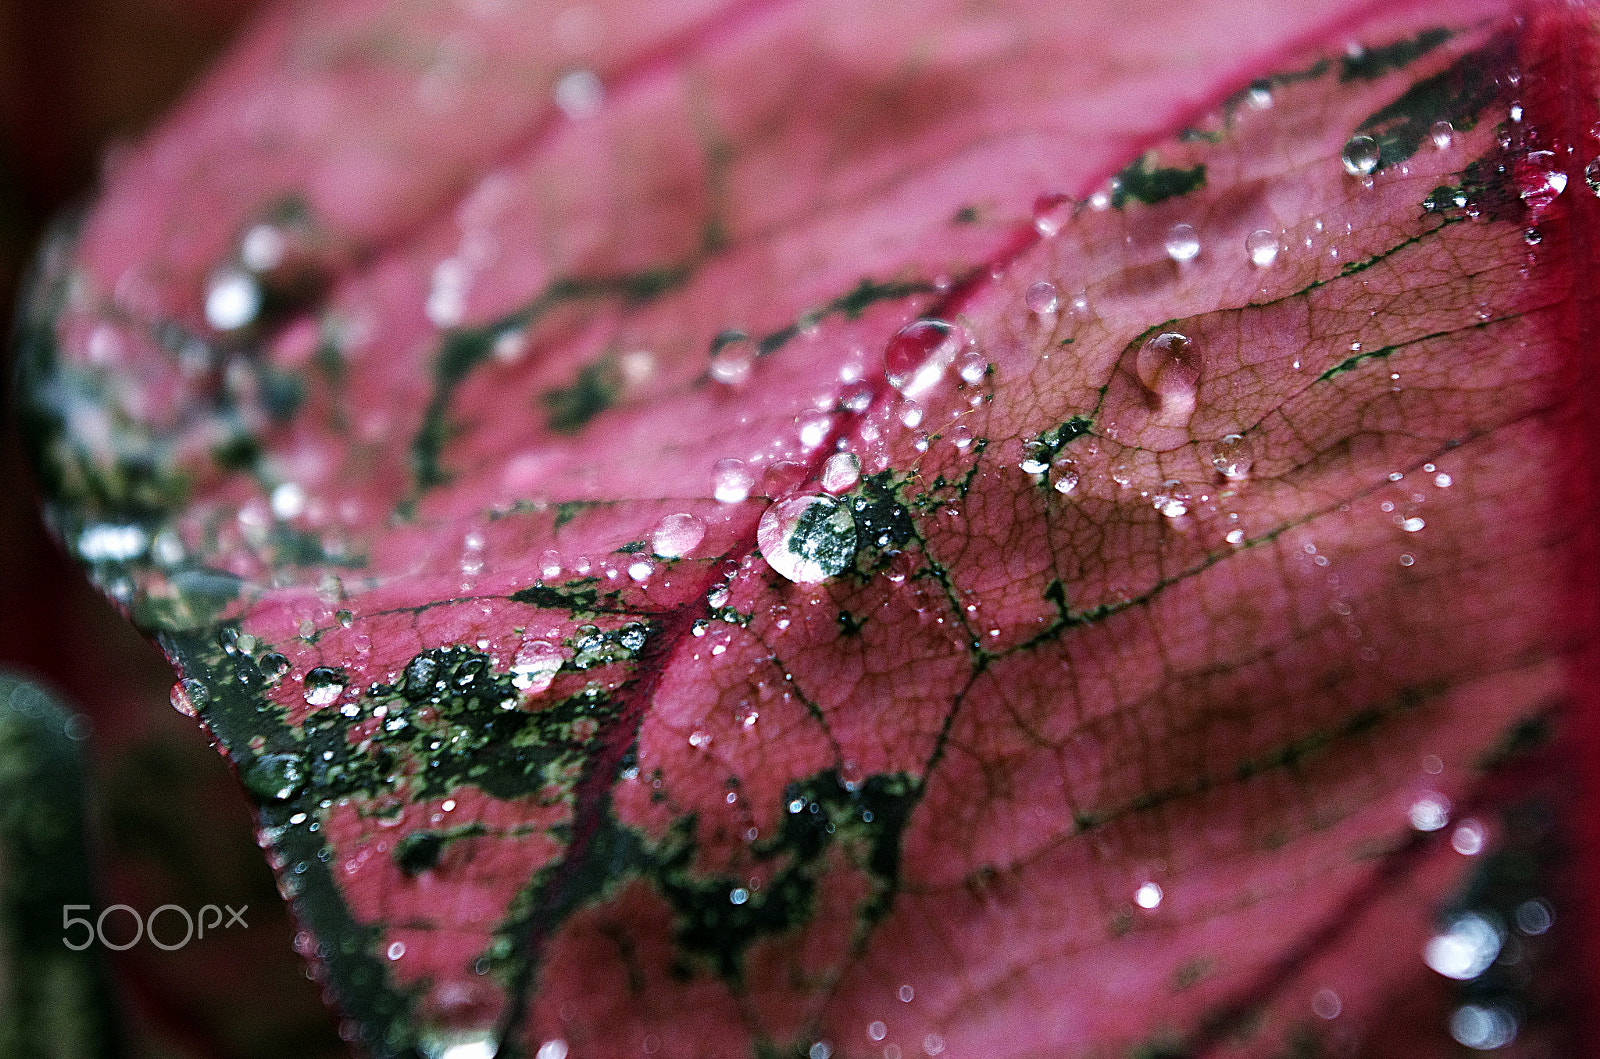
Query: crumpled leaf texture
x,y
1185,647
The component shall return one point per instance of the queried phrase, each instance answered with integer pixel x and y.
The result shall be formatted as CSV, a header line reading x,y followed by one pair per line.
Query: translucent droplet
x,y
910,415
738,895
262,248
324,685
933,1044
396,950
918,354
1442,132
733,354
1360,155
1465,949
855,397
1172,500
1483,1027
579,93
1051,213
731,481
840,473
1429,812
1262,246
1231,457
233,300
1040,298
972,367
1534,917
188,696
550,564
814,427
1325,1004
677,535
274,777
1259,97
807,538
1468,838
820,1050
1034,457
1591,175
1183,243
1169,367
1412,525
1064,476
877,1031
907,994
1148,896
288,501
556,1049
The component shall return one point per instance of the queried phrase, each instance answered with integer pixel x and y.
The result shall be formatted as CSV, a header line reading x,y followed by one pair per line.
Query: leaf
x,y
713,534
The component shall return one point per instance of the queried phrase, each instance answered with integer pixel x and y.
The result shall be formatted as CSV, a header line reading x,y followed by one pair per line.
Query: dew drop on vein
x,y
1169,367
677,535
1360,156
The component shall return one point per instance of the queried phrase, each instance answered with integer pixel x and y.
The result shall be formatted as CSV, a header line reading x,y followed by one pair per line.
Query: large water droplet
x,y
1169,367
1051,213
1483,1027
535,666
731,481
841,472
324,685
1441,132
1262,246
1040,298
807,538
1183,243
189,696
274,777
733,354
918,354
233,300
1465,949
676,535
1360,156
1231,457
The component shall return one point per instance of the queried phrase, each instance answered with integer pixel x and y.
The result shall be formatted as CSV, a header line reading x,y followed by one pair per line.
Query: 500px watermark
x,y
194,926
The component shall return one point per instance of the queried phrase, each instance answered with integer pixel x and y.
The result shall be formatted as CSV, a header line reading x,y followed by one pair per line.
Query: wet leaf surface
x,y
759,544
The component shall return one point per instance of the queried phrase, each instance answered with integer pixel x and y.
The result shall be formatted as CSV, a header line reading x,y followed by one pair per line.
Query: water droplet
x,y
677,535
188,696
856,397
1169,367
1040,298
807,538
1148,896
1466,948
933,1044
262,248
918,354
579,93
731,481
1360,155
910,414
841,472
972,367
1483,1027
1442,480
700,739
1442,132
556,1049
733,354
1034,456
814,427
820,1050
1591,175
1235,537
1412,524
233,300
877,1031
907,994
550,564
288,500
1172,500
1183,243
641,569
1429,812
396,950
324,685
1325,1004
274,777
1262,246
273,667
1232,458
1468,838
738,895
1259,97
1051,213
1534,917
475,1044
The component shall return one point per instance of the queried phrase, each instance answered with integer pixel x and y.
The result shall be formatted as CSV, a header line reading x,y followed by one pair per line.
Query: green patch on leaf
x,y
1458,95
1151,186
1369,64
570,408
882,520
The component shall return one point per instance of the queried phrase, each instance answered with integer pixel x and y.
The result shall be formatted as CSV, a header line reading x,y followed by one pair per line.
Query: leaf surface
x,y
726,530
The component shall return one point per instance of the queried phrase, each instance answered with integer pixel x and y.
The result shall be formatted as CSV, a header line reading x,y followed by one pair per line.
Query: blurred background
x,y
168,822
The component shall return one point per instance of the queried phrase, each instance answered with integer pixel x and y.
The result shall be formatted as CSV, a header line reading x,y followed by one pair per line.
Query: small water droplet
x,y
1360,155
877,1031
1172,500
641,569
738,895
733,354
188,696
1262,246
856,397
324,685
1183,243
972,367
1429,812
1534,917
1235,537
1231,457
233,300
840,473
918,354
1148,895
1468,838
814,427
910,414
396,950
1051,213
1064,476
1169,367
554,1049
579,93
1040,298
731,481
1441,132
274,777
1591,175
1259,97
1412,524
700,739
550,564
907,994
677,535
807,538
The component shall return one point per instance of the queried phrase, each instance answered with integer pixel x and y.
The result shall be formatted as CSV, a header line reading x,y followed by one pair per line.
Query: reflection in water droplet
x,y
1591,175
1259,97
1183,243
262,248
550,564
856,397
918,354
1465,949
972,368
731,481
1442,132
1262,246
233,300
1169,367
1430,811
733,354
556,1049
1040,298
1360,155
807,538
910,414
188,696
641,569
1148,896
676,535
841,472
1172,500
1482,1027
1231,457
324,685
